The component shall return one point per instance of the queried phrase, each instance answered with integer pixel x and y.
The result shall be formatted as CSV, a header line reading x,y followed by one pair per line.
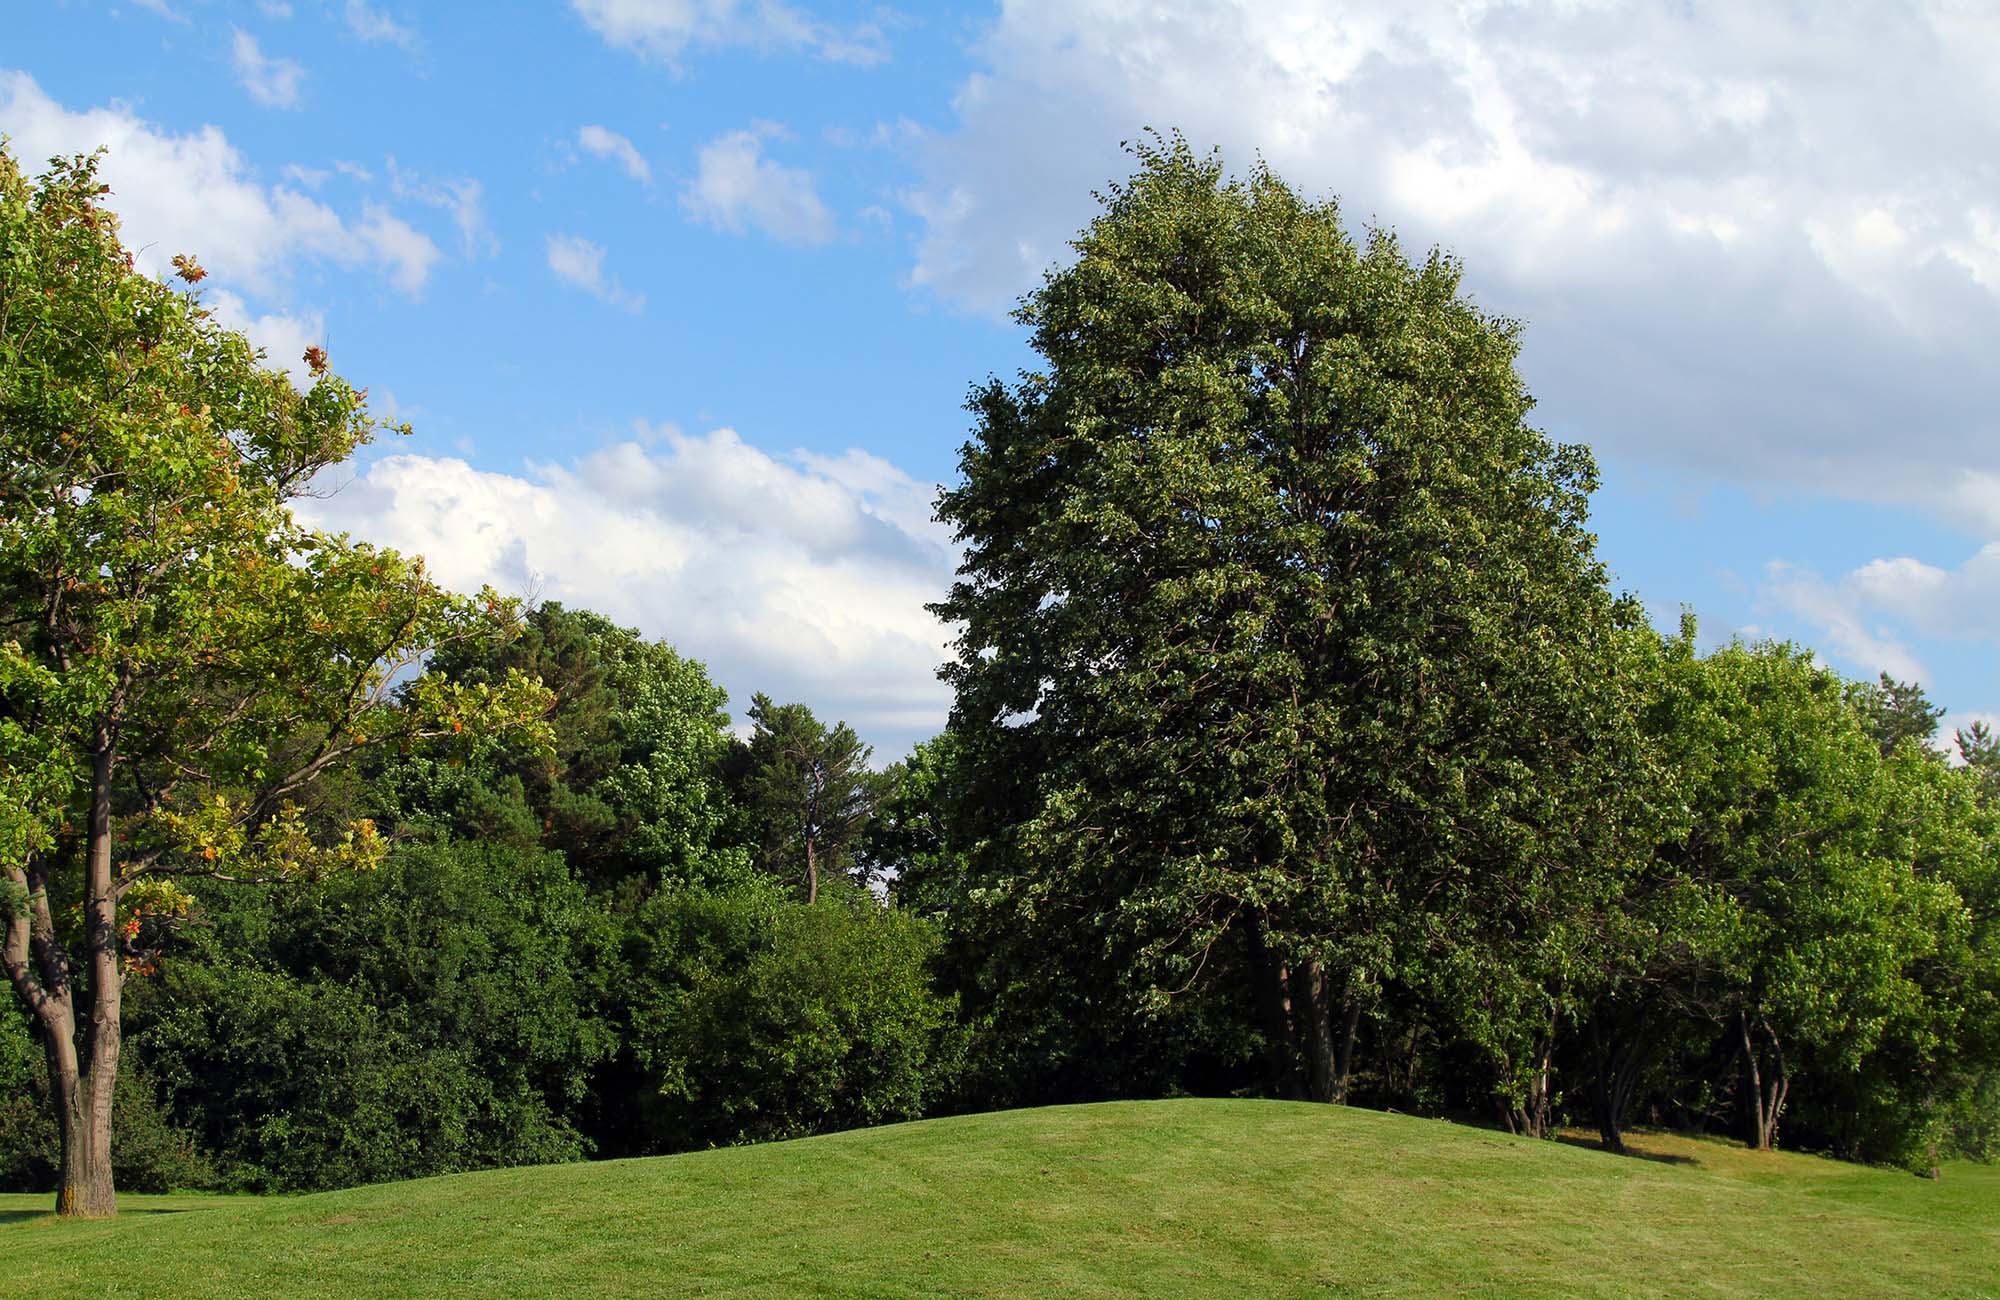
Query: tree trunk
x,y
812,872
1530,1115
1621,1059
83,1116
1350,1025
1312,1008
1274,1009
85,1188
1767,1081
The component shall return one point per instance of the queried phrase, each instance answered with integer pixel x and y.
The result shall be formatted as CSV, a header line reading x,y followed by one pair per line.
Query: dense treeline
x,y
599,953
1300,749
1817,938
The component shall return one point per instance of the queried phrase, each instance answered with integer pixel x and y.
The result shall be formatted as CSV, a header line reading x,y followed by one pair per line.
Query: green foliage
x,y
913,837
762,1018
442,1013
1979,747
180,660
1822,909
1892,712
634,788
807,792
158,599
1298,745
1278,613
153,1155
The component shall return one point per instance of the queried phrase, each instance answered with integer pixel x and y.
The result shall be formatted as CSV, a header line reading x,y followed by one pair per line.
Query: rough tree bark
x,y
1328,1048
1343,1059
1530,1116
86,1186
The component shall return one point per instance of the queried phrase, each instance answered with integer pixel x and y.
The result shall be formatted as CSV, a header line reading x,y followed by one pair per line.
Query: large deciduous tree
x,y
1289,624
179,659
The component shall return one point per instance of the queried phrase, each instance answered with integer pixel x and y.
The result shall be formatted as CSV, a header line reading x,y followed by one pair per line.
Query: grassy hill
x,y
1171,1198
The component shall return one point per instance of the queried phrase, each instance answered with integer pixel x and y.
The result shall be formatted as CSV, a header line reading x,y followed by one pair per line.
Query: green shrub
x,y
761,1018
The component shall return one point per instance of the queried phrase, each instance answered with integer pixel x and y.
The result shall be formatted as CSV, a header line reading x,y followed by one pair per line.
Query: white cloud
x,y
272,82
663,30
195,193
371,24
1744,238
603,142
736,186
162,9
1842,615
1871,614
463,197
803,576
581,263
407,251
1958,602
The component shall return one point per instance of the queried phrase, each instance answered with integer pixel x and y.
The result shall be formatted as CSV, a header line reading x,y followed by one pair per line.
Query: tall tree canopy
x,y
179,659
634,789
1279,617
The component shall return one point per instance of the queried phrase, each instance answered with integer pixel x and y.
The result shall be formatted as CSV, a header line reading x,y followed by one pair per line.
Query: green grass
x,y
1171,1198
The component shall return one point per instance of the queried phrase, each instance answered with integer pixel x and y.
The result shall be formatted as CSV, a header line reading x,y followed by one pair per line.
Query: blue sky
x,y
683,297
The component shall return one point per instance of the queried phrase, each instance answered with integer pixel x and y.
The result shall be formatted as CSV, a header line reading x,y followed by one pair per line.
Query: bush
x,y
437,1015
759,1018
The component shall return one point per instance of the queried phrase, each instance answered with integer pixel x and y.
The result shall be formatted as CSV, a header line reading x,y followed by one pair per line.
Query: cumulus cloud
x,y
1870,619
577,261
737,187
663,30
1906,593
801,575
273,83
1745,239
195,193
602,142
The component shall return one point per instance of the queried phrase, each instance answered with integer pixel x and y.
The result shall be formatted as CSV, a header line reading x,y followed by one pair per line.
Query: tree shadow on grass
x,y
1597,1144
28,1216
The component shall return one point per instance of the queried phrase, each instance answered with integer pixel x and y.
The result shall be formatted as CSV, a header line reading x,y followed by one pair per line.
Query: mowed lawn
x,y
1170,1198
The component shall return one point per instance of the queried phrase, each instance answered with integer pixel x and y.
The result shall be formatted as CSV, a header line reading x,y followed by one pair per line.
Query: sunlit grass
x,y
1172,1198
